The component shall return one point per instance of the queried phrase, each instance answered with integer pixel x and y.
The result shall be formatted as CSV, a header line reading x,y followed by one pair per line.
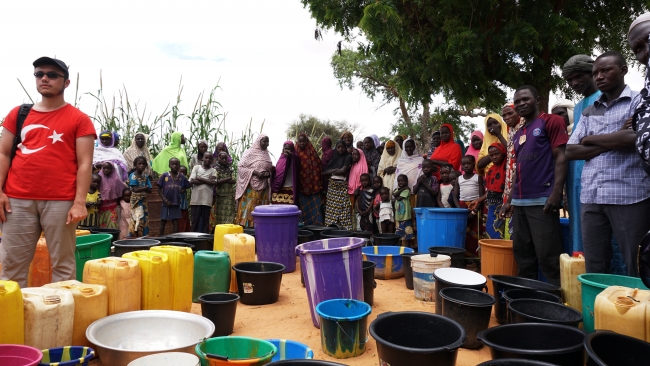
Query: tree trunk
x,y
425,134
405,112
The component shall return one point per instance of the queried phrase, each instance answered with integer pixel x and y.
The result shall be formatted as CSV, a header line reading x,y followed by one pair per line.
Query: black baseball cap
x,y
53,62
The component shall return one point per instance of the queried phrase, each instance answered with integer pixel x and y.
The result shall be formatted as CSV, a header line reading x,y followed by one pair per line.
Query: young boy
x,y
184,221
170,185
427,186
203,179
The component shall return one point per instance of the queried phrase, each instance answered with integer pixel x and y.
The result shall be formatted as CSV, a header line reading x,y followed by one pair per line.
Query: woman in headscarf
x,y
284,185
112,187
475,144
310,182
564,109
372,156
449,152
327,151
106,151
410,165
388,164
337,205
435,142
495,129
348,139
399,140
514,123
223,208
138,147
174,150
116,140
254,172
197,158
221,147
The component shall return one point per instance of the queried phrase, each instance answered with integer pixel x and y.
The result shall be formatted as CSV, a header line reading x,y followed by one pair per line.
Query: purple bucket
x,y
332,269
276,234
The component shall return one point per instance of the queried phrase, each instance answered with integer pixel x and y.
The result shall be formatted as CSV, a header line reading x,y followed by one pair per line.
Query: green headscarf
x,y
174,150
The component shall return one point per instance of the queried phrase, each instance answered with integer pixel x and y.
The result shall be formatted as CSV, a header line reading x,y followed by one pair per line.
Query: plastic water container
x,y
92,246
388,260
344,327
11,313
40,270
156,279
122,278
211,273
19,355
240,248
181,261
167,359
221,230
497,258
443,227
90,304
67,356
276,233
624,310
291,350
49,317
570,269
423,266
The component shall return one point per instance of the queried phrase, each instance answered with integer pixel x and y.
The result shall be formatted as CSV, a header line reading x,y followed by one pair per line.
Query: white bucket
x,y
167,359
423,267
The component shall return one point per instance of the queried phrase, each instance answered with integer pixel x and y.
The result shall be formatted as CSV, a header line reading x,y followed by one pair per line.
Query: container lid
x,y
426,258
459,276
276,210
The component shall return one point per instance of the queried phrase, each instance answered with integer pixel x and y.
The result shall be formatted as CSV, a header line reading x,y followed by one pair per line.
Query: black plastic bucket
x,y
336,234
503,283
514,362
258,283
317,230
408,270
162,239
305,363
114,232
386,239
220,308
305,236
362,234
456,277
553,343
201,243
250,232
369,283
131,245
416,338
607,348
457,255
470,308
516,294
540,311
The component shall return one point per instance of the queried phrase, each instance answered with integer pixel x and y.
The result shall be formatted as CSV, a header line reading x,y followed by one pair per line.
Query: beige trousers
x,y
21,232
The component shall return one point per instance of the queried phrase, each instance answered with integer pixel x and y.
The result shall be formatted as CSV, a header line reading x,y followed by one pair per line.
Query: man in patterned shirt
x,y
615,189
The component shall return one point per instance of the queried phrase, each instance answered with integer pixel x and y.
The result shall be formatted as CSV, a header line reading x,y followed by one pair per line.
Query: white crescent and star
x,y
56,137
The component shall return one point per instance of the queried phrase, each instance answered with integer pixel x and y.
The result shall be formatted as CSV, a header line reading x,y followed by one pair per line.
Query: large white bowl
x,y
124,337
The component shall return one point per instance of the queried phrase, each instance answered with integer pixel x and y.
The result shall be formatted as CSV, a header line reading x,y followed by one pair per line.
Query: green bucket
x,y
595,283
235,350
93,246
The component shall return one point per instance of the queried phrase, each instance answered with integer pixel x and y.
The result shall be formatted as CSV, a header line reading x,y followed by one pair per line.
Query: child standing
x,y
363,206
170,185
140,186
93,201
111,191
495,180
446,187
125,205
377,183
203,179
385,211
469,187
427,186
184,221
403,217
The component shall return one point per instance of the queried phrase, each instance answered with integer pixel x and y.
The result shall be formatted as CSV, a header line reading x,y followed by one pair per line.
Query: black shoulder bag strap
x,y
20,120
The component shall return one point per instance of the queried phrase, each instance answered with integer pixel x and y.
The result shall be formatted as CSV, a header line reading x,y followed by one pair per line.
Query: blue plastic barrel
x,y
437,227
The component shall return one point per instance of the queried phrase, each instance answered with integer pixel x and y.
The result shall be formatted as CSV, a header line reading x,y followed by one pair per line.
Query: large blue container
x,y
387,259
291,350
276,234
441,227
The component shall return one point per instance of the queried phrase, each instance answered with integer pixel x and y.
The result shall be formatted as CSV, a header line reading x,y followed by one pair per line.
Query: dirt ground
x,y
289,318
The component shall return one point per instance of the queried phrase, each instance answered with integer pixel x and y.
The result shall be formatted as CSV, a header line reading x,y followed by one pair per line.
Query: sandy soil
x,y
289,318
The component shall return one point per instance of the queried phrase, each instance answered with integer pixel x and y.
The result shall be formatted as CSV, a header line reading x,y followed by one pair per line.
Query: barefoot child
x,y
184,221
377,183
403,217
494,187
125,205
111,191
427,186
170,185
203,179
93,201
385,211
363,204
468,188
140,186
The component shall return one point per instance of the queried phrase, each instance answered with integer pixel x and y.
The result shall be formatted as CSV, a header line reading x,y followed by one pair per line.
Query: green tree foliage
x,y
317,128
470,50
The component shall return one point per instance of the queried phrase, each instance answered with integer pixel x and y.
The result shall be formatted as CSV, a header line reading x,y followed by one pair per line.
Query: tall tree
x,y
317,128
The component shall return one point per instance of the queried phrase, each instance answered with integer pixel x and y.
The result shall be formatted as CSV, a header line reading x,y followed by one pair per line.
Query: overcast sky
x,y
264,53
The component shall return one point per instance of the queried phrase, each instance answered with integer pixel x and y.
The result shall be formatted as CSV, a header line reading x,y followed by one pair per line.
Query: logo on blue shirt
x,y
537,131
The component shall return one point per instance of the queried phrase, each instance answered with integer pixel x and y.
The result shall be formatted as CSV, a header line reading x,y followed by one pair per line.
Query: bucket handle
x,y
347,335
226,358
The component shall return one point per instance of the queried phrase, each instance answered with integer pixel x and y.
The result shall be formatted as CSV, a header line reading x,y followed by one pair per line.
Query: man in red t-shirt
x,y
44,187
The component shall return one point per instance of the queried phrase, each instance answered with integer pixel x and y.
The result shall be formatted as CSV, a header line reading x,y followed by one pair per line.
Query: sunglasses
x,y
50,75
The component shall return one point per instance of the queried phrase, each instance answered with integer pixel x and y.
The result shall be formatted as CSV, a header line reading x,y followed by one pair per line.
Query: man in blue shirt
x,y
615,189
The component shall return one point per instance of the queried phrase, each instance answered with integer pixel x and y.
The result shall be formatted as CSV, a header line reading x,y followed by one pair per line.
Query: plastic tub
x,y
456,277
329,234
220,308
344,324
161,239
317,230
504,283
114,232
441,226
332,269
131,245
539,311
470,308
557,344
386,239
595,283
305,236
457,255
369,283
204,242
388,260
19,355
362,234
93,246
416,338
276,234
67,356
305,363
607,348
167,359
408,270
497,258
514,362
291,350
258,283
235,350
516,294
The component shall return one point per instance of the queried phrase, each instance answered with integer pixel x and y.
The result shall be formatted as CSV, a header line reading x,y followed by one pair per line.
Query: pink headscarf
x,y
361,167
112,186
253,159
471,150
